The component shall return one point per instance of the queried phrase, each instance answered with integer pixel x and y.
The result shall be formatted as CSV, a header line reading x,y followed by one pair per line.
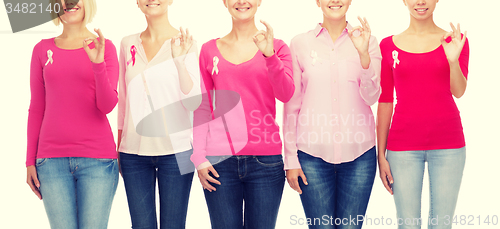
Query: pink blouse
x,y
329,115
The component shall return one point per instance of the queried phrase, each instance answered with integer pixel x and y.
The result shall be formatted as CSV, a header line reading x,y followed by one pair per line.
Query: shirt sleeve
x,y
291,112
37,104
106,79
386,77
203,114
369,87
122,87
192,100
279,67
464,59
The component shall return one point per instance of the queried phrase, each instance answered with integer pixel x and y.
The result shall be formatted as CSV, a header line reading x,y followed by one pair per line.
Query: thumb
x,y
304,179
212,169
86,47
389,177
34,177
443,40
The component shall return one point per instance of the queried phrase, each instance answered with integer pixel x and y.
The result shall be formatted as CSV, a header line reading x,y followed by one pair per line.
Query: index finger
x,y
211,179
386,183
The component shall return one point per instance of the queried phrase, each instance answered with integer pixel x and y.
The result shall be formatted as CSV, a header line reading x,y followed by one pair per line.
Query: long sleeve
x,y
280,70
37,105
106,78
122,87
202,115
386,77
369,87
291,113
192,100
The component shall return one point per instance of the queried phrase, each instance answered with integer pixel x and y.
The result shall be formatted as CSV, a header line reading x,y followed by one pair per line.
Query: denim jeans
x,y
77,192
337,193
445,175
250,192
139,176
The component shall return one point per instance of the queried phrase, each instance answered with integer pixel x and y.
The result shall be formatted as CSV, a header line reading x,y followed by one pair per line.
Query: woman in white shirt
x,y
158,89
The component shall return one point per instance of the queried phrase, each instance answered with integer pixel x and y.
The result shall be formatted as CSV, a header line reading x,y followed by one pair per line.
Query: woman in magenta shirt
x,y
427,66
244,71
71,157
329,128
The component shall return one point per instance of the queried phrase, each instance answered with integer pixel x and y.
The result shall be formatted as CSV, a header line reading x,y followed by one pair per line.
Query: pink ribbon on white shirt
x,y
216,62
133,51
49,55
395,57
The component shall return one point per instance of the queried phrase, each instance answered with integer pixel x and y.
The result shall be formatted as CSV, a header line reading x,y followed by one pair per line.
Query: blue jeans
x,y
252,183
445,175
139,176
337,194
77,192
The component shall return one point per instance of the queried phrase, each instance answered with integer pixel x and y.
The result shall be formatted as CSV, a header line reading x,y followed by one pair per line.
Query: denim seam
x,y
269,165
41,163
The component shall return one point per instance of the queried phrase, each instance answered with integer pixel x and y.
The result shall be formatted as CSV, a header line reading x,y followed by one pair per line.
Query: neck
x,y
243,30
75,31
422,26
158,27
334,27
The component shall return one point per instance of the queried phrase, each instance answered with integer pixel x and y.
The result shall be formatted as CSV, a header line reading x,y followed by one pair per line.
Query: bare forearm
x,y
458,83
185,81
365,60
384,116
119,140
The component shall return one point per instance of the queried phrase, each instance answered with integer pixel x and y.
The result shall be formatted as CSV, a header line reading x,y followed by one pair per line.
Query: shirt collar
x,y
319,29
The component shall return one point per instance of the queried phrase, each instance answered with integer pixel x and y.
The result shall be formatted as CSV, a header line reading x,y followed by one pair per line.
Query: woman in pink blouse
x,y
71,158
243,73
427,66
328,127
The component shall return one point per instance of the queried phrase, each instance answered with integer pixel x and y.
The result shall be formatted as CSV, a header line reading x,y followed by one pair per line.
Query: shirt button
x,y
333,63
334,81
334,99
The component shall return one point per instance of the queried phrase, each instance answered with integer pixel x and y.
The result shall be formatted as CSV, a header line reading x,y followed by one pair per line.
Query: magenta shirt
x,y
70,97
257,82
426,116
329,115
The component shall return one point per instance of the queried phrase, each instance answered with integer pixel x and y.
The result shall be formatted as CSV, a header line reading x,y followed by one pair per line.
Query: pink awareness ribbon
x,y
133,51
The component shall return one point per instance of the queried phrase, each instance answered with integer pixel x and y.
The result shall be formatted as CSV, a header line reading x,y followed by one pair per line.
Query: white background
x,y
207,19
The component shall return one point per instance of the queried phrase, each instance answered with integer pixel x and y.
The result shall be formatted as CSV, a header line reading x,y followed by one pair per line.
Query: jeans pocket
x,y
275,160
40,161
105,160
216,159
